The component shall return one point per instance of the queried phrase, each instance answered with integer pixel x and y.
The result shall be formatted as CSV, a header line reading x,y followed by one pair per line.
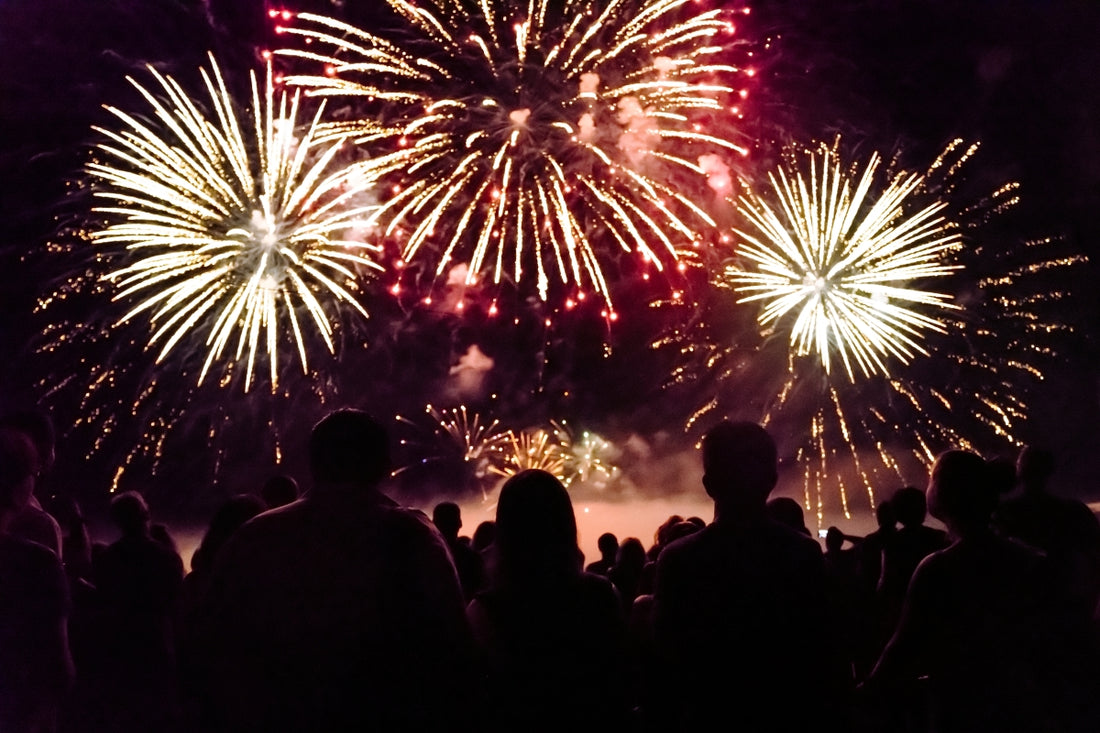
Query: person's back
x,y
447,518
553,638
910,544
341,611
35,665
741,615
973,619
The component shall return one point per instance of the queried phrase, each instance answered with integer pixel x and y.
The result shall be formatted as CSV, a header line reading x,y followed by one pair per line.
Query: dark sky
x,y
1020,75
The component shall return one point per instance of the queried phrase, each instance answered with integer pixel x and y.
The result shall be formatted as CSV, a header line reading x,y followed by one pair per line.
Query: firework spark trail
x,y
523,130
216,251
951,372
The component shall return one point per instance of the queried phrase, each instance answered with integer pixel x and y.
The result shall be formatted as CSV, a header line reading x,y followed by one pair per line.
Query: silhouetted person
x,y
608,545
912,542
878,615
626,575
972,616
341,611
873,544
1065,529
33,522
35,666
742,622
279,491
660,537
229,517
551,634
447,518
138,578
788,512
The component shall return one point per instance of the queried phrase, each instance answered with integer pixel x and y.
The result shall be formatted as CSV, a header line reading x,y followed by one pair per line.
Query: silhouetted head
x,y
885,515
631,554
1002,474
1034,467
17,469
349,448
608,545
960,492
37,426
682,529
910,506
228,519
787,512
536,528
834,539
740,465
279,491
447,518
660,537
130,513
484,535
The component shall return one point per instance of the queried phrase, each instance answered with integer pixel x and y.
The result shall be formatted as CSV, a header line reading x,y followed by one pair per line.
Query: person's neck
x,y
738,513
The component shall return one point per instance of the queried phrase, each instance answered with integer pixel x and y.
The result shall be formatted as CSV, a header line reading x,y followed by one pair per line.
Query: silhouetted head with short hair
x,y
910,506
536,529
1034,467
348,449
885,515
279,491
961,493
130,513
787,512
608,545
447,517
740,466
834,539
17,468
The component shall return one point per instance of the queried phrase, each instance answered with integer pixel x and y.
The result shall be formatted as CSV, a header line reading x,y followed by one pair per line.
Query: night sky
x,y
1021,76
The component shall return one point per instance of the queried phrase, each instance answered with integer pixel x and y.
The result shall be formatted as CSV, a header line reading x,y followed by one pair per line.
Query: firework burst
x,y
538,448
938,317
234,232
474,446
536,137
852,270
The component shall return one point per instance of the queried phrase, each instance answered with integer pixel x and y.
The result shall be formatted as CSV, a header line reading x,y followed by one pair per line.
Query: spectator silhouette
x,y
138,578
1062,528
788,512
875,543
878,616
608,545
341,611
35,666
741,616
972,615
912,542
229,517
279,491
626,575
447,518
32,522
551,634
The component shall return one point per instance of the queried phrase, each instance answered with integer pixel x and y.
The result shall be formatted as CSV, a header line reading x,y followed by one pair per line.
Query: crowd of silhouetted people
x,y
336,609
